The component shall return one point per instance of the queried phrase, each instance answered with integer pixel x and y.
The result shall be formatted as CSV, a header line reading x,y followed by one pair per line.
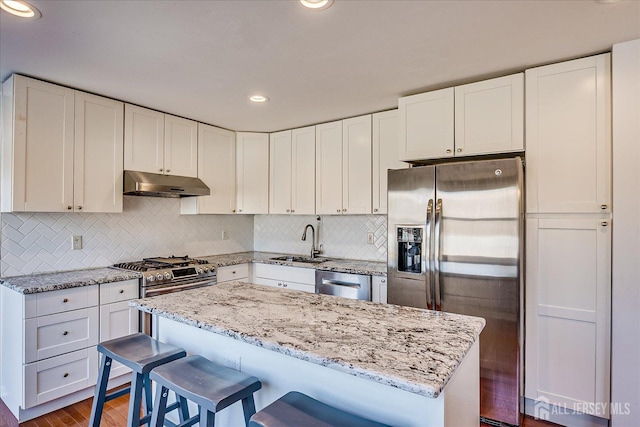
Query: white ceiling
x,y
201,59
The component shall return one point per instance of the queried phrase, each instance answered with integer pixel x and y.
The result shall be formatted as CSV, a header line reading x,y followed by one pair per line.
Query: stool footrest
x,y
116,394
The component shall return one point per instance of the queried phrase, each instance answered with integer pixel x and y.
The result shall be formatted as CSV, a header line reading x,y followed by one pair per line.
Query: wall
x,y
341,236
625,352
148,226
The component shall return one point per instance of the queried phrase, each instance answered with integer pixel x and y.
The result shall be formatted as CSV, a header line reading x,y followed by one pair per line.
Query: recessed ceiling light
x,y
20,8
258,98
317,4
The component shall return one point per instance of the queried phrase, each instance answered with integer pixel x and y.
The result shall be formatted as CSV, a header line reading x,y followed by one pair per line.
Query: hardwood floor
x,y
115,415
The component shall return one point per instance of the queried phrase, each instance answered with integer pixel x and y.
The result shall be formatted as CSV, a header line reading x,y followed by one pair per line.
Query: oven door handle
x,y
150,291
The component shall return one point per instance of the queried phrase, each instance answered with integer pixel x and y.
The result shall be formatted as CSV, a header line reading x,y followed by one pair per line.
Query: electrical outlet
x,y
225,235
76,243
231,361
370,237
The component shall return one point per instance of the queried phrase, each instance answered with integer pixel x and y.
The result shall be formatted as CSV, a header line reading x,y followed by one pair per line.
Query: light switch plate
x,y
76,243
225,235
370,237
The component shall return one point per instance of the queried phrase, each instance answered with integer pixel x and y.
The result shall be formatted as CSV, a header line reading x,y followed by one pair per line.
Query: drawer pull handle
x,y
65,333
233,272
66,374
122,291
65,300
604,223
284,284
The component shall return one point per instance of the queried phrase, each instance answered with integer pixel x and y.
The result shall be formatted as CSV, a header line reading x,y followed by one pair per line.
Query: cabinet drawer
x,y
52,335
58,376
294,286
119,291
233,272
46,303
290,274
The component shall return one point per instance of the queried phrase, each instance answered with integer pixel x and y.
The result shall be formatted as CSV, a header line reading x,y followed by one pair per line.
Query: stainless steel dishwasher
x,y
346,285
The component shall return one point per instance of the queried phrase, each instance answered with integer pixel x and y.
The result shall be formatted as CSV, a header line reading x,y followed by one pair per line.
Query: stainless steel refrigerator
x,y
455,244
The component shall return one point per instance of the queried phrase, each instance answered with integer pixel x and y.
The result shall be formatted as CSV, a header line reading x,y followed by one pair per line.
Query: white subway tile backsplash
x,y
41,242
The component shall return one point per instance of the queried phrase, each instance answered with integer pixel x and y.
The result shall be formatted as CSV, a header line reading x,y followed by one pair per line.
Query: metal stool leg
x,y
207,418
183,412
249,408
137,383
148,401
101,392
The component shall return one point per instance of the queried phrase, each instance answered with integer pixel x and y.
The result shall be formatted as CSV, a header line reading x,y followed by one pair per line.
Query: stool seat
x,y
211,386
140,352
296,409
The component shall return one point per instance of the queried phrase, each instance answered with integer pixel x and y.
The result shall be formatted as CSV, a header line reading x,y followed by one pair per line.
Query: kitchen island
x,y
398,365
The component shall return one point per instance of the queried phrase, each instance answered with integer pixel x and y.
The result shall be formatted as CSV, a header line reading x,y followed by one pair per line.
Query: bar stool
x,y
211,386
141,354
295,409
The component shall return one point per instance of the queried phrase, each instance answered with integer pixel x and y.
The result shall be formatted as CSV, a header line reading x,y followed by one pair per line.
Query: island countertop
x,y
408,348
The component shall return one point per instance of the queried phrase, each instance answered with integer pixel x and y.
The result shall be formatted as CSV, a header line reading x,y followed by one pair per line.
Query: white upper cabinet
x,y
252,173
292,172
61,149
356,165
426,125
569,136
385,156
180,146
160,143
98,154
329,168
217,169
489,116
280,172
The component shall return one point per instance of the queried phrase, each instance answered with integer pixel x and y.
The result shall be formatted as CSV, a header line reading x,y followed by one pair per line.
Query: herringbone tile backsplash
x,y
148,226
342,236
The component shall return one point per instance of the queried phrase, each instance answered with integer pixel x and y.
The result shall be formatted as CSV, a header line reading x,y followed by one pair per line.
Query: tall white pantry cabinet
x,y
568,221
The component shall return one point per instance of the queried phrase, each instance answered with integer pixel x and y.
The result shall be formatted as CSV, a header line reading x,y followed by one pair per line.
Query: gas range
x,y
170,274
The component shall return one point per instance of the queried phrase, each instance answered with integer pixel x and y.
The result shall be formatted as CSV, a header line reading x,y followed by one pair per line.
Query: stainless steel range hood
x,y
156,185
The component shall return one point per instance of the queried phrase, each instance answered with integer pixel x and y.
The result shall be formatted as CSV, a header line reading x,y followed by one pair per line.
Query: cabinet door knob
x,y
66,374
69,207
233,272
121,291
284,284
239,210
161,170
79,208
292,210
168,170
337,210
344,210
288,210
448,150
603,207
233,211
604,223
459,150
383,281
65,333
375,210
65,300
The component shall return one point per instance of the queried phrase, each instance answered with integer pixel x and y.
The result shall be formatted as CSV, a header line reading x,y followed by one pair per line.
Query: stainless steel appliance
x,y
346,285
164,275
158,185
455,239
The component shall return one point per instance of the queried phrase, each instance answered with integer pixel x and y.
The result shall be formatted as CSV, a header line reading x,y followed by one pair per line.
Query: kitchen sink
x,y
306,259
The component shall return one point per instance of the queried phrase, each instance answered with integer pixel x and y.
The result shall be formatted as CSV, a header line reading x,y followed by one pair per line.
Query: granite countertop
x,y
45,282
373,268
407,348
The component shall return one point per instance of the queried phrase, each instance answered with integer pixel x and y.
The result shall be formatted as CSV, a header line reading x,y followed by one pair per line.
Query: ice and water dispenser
x,y
410,249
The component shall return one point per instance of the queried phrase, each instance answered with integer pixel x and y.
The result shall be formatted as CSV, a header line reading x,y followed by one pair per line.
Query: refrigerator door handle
x,y
437,253
427,254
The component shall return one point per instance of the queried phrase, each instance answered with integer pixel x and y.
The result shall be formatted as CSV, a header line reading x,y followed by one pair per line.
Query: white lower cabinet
x,y
568,311
233,272
379,289
284,277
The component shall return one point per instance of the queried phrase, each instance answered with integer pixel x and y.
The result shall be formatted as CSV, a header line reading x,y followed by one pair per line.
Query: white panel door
x,y
489,116
252,172
180,146
329,168
569,136
98,153
568,310
426,125
143,139
356,165
217,169
43,146
303,171
385,156
280,172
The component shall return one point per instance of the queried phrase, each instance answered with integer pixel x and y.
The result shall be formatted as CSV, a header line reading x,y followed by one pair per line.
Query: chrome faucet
x,y
314,252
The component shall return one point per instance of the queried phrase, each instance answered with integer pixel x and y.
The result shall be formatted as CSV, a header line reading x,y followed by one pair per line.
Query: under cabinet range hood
x,y
156,185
